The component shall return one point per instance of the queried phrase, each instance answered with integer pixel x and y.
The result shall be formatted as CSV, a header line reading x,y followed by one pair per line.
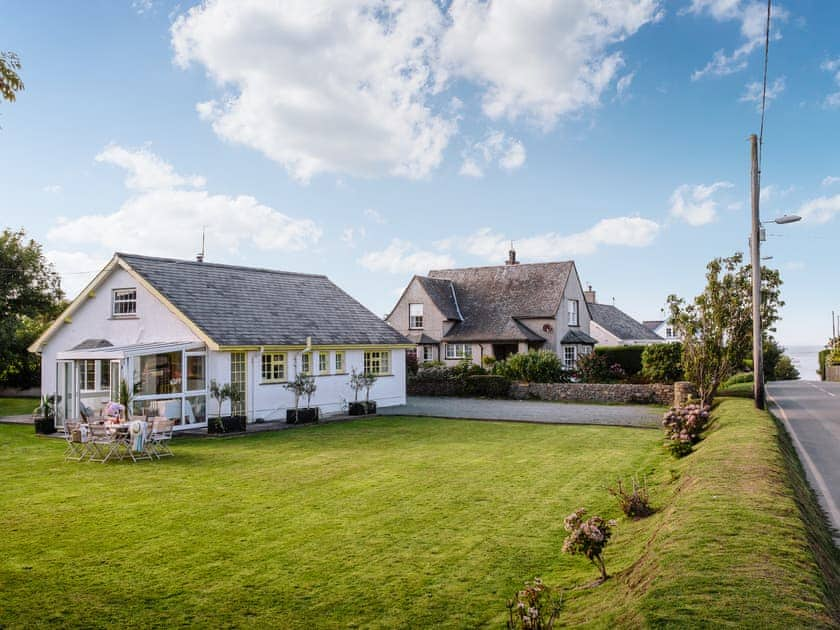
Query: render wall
x,y
93,320
269,401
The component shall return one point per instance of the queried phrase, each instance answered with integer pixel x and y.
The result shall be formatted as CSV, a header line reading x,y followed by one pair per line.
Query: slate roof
x,y
492,300
579,337
244,306
92,344
620,323
653,324
421,338
442,293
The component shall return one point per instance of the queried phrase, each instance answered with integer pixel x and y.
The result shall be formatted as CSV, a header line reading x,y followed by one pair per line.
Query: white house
x,y
454,315
168,327
613,327
664,329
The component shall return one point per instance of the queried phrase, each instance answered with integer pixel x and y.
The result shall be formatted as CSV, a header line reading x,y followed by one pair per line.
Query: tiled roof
x,y
441,292
90,344
244,306
493,299
421,338
620,323
579,337
653,324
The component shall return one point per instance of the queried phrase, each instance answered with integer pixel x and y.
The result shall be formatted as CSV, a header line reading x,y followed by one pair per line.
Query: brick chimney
x,y
511,256
589,295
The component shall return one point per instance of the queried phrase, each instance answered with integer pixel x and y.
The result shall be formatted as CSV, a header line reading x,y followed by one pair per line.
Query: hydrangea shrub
x,y
588,537
683,426
535,607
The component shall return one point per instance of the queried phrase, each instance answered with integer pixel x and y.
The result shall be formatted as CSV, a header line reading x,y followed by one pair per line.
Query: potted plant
x,y
44,415
362,381
303,385
229,423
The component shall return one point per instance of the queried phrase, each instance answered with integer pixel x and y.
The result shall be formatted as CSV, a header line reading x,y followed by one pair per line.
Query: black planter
x,y
362,408
227,424
45,426
302,416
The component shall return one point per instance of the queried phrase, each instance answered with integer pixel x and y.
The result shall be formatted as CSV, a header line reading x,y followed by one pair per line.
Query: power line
x,y
764,86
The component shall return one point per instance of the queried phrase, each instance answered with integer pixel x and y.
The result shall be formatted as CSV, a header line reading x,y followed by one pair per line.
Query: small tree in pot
x,y
44,415
303,385
362,381
230,423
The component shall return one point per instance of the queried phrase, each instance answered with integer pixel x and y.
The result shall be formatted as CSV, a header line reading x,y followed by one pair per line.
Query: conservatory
x,y
163,379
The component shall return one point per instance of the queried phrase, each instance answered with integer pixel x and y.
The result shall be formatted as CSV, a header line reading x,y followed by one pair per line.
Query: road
x,y
528,411
811,412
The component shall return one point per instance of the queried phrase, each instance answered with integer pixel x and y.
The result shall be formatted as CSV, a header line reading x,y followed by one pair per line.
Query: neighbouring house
x,y
613,327
168,327
454,315
664,329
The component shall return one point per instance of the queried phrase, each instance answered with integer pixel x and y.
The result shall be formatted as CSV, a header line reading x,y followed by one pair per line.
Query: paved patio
x,y
528,411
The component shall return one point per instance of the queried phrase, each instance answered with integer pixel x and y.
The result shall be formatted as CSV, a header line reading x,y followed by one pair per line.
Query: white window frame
x,y
126,298
339,363
415,320
323,363
377,362
458,351
271,360
306,363
574,312
428,354
669,332
569,365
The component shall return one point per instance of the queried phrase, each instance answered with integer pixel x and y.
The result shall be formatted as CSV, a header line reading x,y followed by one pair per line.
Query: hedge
x,y
628,357
823,356
487,386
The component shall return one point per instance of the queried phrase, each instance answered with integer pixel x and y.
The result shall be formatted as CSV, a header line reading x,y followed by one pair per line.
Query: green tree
x,y
10,81
717,326
30,297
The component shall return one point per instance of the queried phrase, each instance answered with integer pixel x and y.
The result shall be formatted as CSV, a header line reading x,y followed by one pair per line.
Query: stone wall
x,y
656,393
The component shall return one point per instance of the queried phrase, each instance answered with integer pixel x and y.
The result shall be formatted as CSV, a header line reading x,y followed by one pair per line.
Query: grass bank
x,y
17,406
739,541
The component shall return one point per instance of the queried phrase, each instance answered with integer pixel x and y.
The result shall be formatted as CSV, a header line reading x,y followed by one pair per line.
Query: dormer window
x,y
124,302
415,316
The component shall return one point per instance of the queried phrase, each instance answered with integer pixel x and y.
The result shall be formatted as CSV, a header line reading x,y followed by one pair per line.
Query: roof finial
x,y
200,256
511,256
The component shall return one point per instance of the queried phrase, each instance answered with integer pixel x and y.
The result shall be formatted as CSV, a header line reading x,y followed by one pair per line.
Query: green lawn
x,y
402,522
17,406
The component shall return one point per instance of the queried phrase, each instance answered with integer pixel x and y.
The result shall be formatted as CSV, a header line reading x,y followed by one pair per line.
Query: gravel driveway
x,y
528,411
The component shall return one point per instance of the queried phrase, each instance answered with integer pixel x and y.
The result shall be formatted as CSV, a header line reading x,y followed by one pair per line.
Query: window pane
x,y
323,362
158,373
104,374
339,361
195,373
151,409
195,410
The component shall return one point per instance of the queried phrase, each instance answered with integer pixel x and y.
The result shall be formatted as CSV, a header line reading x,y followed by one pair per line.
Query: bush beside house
x,y
628,357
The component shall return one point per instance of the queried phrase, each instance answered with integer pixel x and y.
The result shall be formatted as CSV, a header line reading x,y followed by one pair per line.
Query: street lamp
x,y
755,254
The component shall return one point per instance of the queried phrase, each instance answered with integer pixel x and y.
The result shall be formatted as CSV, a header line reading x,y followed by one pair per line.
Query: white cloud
x,y
470,169
623,84
356,86
567,46
772,192
351,235
833,66
752,15
142,6
159,219
821,209
617,231
145,170
696,205
508,153
795,265
403,257
329,86
375,216
53,189
752,92
830,180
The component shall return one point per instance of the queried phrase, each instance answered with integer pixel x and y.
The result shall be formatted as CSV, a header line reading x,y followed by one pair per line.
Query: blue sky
x,y
372,140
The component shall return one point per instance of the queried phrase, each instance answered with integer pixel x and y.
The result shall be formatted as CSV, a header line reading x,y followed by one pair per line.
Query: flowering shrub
x,y
596,368
683,426
588,537
535,607
634,502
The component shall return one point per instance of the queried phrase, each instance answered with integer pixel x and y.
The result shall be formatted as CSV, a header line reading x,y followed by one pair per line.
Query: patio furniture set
x,y
104,441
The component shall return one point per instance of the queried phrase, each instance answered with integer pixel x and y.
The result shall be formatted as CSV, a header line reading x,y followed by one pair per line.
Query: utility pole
x,y
755,252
